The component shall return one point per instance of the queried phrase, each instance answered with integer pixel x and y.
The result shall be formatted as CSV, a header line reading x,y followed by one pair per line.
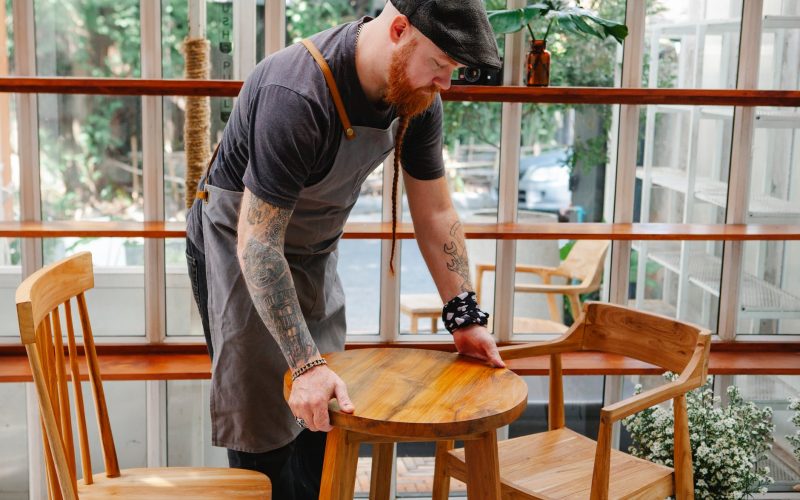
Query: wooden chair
x,y
584,264
40,298
561,463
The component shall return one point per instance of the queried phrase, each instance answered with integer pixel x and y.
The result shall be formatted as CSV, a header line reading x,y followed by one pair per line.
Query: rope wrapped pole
x,y
196,136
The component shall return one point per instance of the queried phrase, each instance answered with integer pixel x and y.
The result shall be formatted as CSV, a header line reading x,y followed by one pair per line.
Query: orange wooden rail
x,y
564,95
190,362
378,230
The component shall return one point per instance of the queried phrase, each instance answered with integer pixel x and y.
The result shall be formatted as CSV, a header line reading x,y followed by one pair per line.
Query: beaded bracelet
x,y
308,366
462,310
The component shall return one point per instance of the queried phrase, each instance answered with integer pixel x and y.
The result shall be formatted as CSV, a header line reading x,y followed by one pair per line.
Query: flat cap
x,y
459,27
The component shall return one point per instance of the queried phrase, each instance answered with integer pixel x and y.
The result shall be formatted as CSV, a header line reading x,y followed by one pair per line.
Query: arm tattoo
x,y
270,283
457,250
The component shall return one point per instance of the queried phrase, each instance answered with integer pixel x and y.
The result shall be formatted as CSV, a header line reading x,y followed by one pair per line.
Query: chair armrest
x,y
568,342
545,288
540,270
691,378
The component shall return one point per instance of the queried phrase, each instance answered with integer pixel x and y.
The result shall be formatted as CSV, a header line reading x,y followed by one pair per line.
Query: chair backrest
x,y
654,339
585,263
39,299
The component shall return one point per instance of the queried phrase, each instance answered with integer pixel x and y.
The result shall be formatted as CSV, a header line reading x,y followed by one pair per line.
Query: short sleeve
x,y
284,140
422,146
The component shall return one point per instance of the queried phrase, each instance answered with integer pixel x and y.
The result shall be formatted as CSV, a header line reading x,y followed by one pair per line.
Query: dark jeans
x,y
295,470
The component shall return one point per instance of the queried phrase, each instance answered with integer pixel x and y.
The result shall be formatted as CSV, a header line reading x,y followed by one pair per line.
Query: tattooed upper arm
x,y
262,220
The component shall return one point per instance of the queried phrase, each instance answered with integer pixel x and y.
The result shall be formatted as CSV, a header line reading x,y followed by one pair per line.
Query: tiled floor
x,y
414,477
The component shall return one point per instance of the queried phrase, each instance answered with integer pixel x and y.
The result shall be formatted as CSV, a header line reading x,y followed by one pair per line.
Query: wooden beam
x,y
378,230
500,93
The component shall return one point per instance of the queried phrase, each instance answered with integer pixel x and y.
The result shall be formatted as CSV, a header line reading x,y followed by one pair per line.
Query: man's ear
x,y
399,28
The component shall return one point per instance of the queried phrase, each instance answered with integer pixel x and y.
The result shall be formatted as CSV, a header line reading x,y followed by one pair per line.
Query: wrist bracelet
x,y
462,310
308,366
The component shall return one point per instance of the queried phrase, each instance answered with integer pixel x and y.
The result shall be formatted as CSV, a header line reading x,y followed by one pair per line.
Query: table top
x,y
419,393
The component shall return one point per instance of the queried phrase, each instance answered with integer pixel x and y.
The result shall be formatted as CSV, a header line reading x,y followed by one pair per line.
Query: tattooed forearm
x,y
457,250
271,286
269,279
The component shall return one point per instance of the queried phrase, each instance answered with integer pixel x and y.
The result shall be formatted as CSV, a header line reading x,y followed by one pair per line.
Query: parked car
x,y
544,181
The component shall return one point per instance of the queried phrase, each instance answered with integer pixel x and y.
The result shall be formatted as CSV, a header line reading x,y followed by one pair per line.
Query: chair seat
x,y
421,304
178,482
562,469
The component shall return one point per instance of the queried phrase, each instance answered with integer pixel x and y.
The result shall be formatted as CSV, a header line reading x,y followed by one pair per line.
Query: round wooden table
x,y
417,395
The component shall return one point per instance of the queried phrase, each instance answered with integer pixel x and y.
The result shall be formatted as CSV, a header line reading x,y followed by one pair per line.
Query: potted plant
x,y
727,442
557,15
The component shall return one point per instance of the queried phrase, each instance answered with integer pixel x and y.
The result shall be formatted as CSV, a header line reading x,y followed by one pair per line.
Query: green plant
x,y
727,441
558,14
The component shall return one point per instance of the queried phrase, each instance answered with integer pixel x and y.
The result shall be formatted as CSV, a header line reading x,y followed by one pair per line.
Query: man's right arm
x,y
261,233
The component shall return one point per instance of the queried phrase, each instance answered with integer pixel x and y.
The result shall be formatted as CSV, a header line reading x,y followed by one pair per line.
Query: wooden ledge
x,y
499,93
190,362
378,230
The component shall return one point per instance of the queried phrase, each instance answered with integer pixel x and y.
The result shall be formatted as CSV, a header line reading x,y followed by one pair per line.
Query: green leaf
x,y
507,21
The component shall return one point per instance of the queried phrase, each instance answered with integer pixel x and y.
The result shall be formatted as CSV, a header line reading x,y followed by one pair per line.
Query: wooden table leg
x,y
441,479
483,467
383,470
339,469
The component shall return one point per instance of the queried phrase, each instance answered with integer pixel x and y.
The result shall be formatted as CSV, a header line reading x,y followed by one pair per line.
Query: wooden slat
x,y
565,95
77,391
377,230
182,366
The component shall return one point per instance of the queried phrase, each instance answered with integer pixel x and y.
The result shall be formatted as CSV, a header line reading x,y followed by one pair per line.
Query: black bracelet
x,y
462,310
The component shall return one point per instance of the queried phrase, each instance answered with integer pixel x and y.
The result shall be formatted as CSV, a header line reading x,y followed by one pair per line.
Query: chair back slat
x,y
585,262
77,391
101,410
651,338
63,394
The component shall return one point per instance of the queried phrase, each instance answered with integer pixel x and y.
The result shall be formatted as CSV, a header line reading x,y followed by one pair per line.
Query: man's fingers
x,y
321,419
345,404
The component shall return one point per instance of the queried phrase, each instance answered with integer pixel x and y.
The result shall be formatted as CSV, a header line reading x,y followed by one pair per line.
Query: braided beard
x,y
408,102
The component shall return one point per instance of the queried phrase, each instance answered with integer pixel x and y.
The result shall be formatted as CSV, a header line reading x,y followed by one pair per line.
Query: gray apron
x,y
248,410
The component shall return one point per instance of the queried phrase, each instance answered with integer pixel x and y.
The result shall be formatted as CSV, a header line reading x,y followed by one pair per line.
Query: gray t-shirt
x,y
284,131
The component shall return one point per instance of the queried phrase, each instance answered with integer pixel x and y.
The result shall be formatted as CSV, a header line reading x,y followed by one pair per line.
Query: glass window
x,y
189,426
90,146
14,436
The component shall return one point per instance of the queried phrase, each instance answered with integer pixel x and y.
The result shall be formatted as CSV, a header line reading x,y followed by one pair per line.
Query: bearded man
x,y
310,124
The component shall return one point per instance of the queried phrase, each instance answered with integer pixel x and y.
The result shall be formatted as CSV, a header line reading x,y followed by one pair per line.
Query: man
x,y
298,146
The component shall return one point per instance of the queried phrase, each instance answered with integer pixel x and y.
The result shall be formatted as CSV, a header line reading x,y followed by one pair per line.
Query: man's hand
x,y
311,393
476,342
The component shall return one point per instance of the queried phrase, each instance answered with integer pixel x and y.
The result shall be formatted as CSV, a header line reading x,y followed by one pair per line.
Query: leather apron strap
x,y
349,133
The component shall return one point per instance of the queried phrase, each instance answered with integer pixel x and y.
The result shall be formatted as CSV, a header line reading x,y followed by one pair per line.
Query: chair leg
x,y
483,467
414,324
441,479
339,469
383,461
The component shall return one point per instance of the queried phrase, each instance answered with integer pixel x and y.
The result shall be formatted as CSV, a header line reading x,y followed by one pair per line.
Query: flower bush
x,y
794,405
727,442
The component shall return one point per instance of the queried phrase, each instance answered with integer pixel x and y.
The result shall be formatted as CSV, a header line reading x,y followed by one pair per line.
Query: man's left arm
x,y
440,237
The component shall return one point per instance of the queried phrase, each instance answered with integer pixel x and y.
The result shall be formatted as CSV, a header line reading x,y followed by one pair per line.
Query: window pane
x,y
14,436
182,315
677,279
692,46
769,299
10,278
565,174
189,426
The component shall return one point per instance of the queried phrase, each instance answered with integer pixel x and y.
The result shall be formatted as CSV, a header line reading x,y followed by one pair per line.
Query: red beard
x,y
408,101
